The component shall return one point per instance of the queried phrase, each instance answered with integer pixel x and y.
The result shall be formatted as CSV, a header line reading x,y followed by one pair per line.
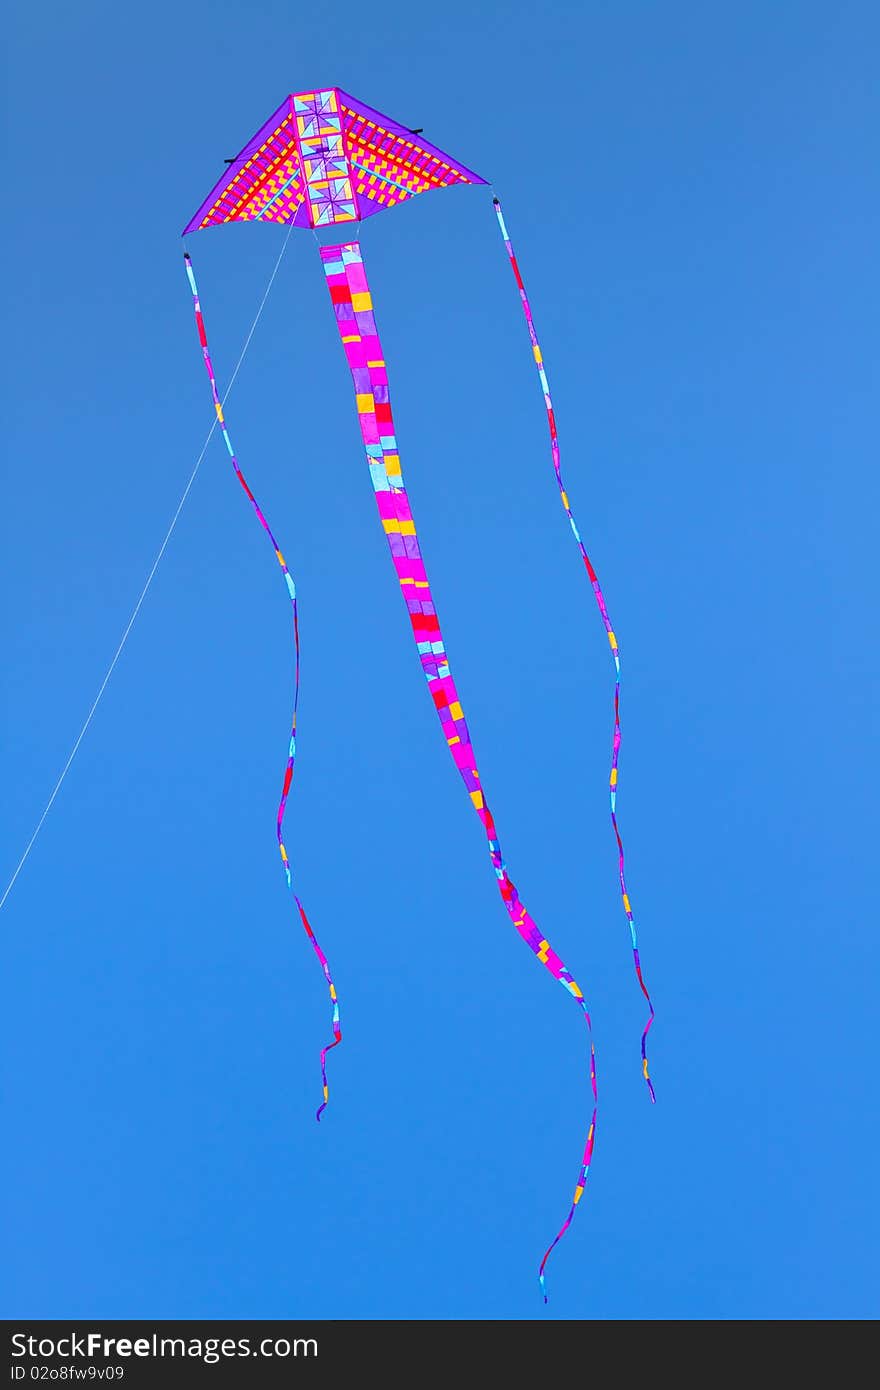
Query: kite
x,y
324,160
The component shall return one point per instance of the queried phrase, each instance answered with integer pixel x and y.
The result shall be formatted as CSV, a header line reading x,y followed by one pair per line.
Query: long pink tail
x,y
291,752
600,600
353,307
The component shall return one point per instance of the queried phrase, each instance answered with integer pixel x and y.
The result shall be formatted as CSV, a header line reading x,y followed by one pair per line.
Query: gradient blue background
x,y
691,190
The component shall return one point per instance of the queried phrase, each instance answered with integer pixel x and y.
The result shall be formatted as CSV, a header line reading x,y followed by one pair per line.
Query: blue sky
x,y
692,193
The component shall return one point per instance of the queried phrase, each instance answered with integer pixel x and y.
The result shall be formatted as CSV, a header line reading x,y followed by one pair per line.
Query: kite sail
x,y
322,159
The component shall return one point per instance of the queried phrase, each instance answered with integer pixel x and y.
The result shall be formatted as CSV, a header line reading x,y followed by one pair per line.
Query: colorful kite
x,y
323,159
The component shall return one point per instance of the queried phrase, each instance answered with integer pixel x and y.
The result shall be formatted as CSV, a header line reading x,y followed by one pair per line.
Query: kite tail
x,y
337,1031
582,1175
603,610
291,752
350,295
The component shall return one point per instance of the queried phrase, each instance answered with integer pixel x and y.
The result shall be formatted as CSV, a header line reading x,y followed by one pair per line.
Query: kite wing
x,y
324,157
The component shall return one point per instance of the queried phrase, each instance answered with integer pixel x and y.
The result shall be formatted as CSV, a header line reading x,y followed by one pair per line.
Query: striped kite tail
x,y
350,293
291,753
603,610
582,1175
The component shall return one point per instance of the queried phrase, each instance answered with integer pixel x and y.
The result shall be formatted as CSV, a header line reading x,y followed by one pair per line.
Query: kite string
x,y
603,610
150,577
291,752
